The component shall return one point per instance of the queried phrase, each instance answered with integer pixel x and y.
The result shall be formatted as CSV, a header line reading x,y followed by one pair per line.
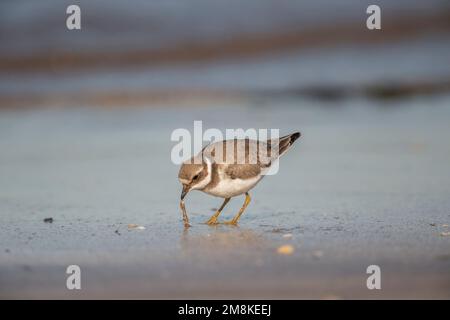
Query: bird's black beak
x,y
184,191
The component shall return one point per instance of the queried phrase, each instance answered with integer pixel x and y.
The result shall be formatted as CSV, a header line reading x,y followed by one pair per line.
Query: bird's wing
x,y
242,171
240,158
240,152
281,146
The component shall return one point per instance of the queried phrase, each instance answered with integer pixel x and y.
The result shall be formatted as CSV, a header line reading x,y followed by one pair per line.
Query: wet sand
x,y
364,185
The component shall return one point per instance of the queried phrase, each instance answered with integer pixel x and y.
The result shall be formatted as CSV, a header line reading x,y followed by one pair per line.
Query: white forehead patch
x,y
184,181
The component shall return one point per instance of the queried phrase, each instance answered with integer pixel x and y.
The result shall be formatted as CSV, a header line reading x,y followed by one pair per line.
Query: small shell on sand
x,y
286,249
318,254
135,226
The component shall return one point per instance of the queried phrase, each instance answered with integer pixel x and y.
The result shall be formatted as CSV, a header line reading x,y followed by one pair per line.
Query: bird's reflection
x,y
220,240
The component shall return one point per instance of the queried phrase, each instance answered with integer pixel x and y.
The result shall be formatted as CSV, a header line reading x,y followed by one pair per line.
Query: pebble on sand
x,y
286,249
318,254
133,226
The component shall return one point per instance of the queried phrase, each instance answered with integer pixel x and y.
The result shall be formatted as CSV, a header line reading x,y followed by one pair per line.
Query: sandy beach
x,y
341,205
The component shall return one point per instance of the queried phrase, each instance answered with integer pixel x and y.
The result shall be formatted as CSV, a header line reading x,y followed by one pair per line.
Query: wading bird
x,y
230,168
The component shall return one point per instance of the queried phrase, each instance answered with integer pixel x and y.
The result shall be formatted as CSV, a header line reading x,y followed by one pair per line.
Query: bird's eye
x,y
195,177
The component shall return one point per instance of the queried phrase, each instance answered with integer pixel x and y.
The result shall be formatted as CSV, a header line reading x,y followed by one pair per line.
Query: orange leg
x,y
213,219
235,220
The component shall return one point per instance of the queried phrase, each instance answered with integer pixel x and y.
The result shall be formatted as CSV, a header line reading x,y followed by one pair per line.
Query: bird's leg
x,y
235,220
185,216
213,219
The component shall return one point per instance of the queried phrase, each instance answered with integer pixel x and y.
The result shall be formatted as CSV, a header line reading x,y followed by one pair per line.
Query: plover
x,y
230,168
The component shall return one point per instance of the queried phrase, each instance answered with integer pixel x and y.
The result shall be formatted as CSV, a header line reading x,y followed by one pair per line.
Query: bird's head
x,y
194,174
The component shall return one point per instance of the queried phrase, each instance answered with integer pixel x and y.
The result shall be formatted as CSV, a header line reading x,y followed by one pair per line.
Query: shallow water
x,y
365,184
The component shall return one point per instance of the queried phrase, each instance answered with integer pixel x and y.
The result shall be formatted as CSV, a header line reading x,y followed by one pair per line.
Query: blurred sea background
x,y
85,123
166,53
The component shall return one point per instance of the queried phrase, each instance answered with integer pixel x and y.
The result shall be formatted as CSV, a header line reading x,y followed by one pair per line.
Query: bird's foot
x,y
231,222
212,221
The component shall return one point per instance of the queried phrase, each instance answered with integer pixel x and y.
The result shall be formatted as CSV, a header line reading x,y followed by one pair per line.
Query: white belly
x,y
228,188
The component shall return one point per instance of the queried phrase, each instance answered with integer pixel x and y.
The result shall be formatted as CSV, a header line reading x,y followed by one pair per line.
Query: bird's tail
x,y
284,143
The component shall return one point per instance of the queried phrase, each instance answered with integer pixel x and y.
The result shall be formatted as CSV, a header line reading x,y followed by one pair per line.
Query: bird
x,y
230,168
